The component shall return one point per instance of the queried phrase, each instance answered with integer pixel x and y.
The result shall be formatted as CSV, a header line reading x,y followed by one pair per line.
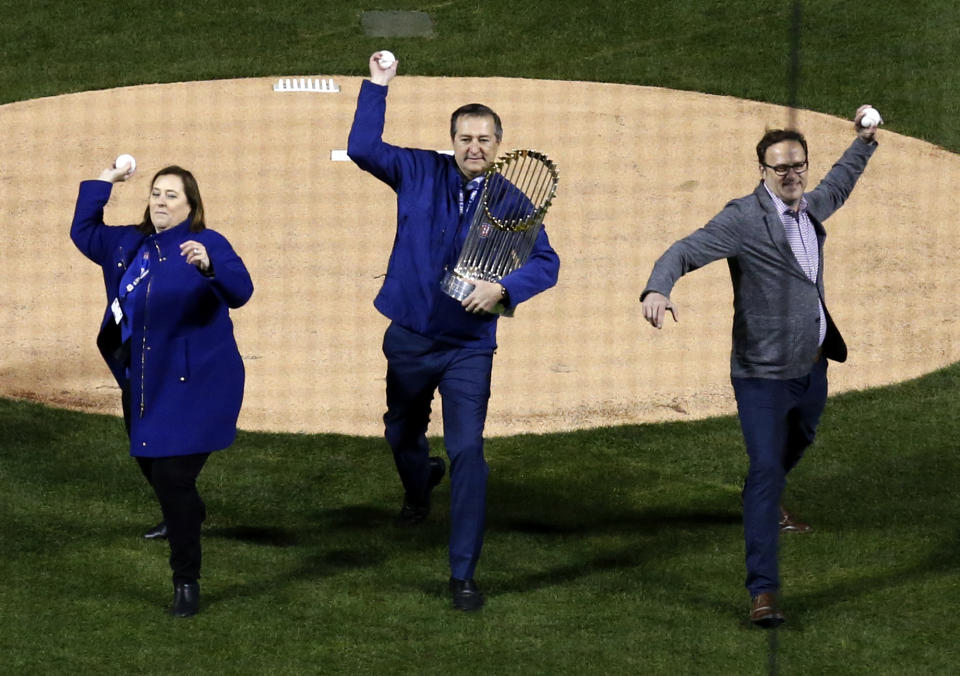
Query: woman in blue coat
x,y
167,337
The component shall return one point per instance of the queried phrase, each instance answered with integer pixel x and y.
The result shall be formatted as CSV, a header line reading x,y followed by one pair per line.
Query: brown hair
x,y
476,110
192,192
774,136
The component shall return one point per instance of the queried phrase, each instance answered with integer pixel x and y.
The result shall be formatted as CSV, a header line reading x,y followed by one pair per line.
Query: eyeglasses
x,y
784,169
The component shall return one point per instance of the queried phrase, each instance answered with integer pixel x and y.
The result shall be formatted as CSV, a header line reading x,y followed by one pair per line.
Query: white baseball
x,y
386,58
125,160
871,118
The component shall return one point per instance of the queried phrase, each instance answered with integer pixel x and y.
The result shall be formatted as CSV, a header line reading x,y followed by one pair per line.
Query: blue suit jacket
x,y
775,305
430,232
186,375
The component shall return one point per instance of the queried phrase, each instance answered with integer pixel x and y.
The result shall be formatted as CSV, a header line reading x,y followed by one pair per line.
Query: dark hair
x,y
476,110
192,192
774,136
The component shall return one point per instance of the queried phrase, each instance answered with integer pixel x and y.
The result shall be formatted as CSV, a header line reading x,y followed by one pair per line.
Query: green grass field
x,y
614,550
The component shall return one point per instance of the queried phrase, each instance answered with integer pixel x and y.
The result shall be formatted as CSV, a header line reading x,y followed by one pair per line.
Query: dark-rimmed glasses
x,y
784,169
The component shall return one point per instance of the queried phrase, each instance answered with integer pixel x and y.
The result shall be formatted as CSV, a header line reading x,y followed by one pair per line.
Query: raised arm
x,y
365,144
836,186
88,231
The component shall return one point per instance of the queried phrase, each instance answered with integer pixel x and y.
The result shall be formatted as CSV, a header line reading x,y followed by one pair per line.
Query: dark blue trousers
x,y
779,420
418,366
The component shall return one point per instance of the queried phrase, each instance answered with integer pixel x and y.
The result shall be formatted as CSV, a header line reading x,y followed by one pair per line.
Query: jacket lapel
x,y
821,237
775,229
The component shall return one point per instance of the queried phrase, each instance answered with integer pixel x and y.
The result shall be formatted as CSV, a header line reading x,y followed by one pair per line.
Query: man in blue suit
x,y
782,332
435,343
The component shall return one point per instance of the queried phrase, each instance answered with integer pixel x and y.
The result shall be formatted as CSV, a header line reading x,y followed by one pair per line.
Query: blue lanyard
x,y
126,289
476,183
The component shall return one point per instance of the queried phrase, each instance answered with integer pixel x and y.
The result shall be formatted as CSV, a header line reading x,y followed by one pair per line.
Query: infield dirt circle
x,y
640,167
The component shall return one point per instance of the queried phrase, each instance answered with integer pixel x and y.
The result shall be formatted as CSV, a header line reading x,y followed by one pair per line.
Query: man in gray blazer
x,y
782,333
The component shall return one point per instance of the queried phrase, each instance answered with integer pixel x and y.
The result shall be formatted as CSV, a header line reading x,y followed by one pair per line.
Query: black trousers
x,y
174,481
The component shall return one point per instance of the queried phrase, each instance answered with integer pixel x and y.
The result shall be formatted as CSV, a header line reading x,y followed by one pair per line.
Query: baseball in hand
x,y
125,160
386,58
871,118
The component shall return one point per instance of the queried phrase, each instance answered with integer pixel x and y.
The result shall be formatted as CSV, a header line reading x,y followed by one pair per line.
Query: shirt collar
x,y
783,207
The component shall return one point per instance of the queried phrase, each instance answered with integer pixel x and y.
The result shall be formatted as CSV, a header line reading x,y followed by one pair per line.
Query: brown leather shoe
x,y
764,612
790,524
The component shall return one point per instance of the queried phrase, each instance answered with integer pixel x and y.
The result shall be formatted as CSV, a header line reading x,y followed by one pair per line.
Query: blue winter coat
x,y
430,233
185,372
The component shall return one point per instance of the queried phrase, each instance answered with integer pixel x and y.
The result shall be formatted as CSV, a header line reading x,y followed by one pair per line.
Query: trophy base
x,y
455,286
458,288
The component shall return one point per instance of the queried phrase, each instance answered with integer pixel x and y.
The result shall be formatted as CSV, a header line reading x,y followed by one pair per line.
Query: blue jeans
x,y
418,366
779,420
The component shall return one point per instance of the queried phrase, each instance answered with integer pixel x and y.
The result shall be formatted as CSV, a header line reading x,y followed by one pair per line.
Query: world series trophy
x,y
517,191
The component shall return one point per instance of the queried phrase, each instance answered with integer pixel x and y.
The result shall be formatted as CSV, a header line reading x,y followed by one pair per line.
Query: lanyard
x,y
144,271
133,284
124,292
473,194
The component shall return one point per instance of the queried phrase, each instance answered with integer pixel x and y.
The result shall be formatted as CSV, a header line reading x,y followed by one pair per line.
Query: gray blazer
x,y
775,312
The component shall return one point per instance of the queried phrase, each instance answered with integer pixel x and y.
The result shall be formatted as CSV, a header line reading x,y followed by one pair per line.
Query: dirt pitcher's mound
x,y
640,167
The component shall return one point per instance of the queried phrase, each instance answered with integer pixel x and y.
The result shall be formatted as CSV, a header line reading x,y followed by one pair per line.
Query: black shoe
x,y
466,595
412,513
158,532
186,599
